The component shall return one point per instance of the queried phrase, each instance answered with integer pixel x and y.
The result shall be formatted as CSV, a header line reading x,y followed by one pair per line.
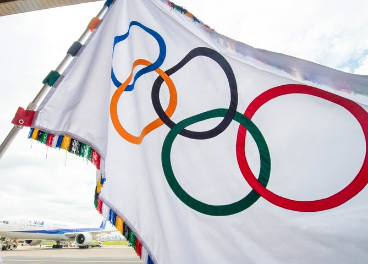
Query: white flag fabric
x,y
213,151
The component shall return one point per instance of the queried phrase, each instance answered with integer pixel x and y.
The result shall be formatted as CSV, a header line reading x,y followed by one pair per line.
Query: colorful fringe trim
x,y
187,13
69,144
120,225
124,229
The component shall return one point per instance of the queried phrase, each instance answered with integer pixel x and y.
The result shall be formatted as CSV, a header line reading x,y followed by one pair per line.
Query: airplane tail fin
x,y
103,224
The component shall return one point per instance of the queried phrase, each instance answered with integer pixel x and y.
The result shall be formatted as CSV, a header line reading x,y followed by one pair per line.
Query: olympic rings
x,y
259,185
149,68
216,210
217,57
151,126
359,182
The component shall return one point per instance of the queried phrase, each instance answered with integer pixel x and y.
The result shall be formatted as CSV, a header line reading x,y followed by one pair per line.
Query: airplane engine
x,y
83,239
32,242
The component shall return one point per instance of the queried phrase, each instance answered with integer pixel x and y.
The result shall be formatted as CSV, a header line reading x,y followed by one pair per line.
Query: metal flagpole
x,y
54,75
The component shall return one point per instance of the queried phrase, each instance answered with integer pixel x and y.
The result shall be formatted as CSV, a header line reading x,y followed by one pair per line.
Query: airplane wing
x,y
94,233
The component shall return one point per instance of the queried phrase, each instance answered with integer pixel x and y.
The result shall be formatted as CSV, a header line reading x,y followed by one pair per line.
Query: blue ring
x,y
152,67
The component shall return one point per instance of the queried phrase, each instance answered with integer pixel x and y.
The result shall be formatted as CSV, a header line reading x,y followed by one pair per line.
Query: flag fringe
x,y
185,12
120,224
68,143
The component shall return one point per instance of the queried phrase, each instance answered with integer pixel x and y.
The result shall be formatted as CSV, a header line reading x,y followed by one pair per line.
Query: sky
x,y
48,183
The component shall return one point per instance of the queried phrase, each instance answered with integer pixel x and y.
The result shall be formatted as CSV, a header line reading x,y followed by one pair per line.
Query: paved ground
x,y
44,255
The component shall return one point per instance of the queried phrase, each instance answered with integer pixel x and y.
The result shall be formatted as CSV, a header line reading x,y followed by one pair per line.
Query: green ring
x,y
216,210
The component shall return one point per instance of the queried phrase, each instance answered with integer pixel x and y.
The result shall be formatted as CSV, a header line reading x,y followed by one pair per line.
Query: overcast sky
x,y
333,33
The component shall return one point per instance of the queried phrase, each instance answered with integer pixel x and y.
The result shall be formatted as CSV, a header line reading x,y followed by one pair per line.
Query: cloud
x,y
363,66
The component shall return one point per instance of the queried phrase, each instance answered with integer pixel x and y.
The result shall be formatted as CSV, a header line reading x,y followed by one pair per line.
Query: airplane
x,y
34,230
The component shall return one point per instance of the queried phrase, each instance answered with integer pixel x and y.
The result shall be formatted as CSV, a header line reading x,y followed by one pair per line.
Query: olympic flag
x,y
211,151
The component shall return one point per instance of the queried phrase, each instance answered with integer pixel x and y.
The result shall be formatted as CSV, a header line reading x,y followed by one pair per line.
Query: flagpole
x,y
73,50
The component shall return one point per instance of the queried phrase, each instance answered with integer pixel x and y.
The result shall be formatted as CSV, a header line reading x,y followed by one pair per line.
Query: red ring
x,y
359,182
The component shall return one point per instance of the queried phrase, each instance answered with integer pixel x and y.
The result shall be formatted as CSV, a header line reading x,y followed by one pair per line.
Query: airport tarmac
x,y
44,254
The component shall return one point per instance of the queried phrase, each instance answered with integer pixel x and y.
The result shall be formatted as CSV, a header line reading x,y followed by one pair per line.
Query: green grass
x,y
48,243
114,243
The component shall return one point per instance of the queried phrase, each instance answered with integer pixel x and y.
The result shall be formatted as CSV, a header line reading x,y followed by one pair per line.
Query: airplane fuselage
x,y
40,229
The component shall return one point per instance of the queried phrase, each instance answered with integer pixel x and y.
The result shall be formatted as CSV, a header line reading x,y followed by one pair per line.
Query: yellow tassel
x,y
189,14
35,133
99,186
65,143
119,224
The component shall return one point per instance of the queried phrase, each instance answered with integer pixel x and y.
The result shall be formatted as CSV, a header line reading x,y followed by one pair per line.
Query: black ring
x,y
217,57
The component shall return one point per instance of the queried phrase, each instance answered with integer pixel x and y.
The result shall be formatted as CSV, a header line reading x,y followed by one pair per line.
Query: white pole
x,y
33,105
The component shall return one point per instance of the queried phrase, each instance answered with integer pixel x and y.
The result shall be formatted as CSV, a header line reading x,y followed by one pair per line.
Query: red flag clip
x,y
23,117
